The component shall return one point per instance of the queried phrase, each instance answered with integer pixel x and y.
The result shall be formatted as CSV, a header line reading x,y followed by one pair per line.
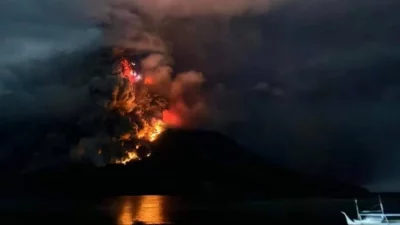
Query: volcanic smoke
x,y
139,97
132,107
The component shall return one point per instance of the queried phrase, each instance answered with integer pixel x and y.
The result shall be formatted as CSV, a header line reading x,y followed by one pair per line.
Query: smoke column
x,y
128,113
102,98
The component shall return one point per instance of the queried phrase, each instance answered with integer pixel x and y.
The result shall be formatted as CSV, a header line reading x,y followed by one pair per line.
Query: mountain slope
x,y
192,163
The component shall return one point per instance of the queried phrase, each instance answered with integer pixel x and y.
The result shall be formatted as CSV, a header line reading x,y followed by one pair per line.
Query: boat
x,y
373,217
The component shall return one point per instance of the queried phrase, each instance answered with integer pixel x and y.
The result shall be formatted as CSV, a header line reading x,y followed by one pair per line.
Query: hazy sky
x,y
35,29
309,84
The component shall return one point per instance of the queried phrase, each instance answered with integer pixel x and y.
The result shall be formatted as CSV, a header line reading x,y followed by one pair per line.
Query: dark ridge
x,y
186,163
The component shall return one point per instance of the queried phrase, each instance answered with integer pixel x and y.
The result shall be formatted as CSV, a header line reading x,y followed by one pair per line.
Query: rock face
x,y
188,163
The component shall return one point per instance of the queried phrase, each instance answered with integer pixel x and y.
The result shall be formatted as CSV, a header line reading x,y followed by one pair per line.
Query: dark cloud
x,y
32,32
336,63
39,40
309,84
42,42
36,29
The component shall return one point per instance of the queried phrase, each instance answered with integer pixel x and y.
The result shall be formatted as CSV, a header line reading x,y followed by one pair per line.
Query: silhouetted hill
x,y
188,163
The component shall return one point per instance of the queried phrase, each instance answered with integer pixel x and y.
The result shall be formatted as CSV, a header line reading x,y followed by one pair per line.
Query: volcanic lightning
x,y
130,116
134,95
150,126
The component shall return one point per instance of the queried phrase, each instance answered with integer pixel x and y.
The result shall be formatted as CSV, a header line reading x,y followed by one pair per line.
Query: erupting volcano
x,y
146,111
134,103
147,108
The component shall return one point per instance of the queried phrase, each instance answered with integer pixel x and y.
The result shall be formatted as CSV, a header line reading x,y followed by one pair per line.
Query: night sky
x,y
310,85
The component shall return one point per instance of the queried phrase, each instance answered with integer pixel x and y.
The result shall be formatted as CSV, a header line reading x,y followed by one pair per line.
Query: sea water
x,y
156,209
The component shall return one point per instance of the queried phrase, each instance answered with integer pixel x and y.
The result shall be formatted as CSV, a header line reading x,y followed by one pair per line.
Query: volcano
x,y
123,143
187,163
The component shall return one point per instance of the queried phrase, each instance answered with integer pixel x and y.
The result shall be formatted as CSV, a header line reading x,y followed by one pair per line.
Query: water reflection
x,y
147,209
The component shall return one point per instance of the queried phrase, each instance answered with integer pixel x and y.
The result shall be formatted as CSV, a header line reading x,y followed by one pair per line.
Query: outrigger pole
x,y
382,210
358,212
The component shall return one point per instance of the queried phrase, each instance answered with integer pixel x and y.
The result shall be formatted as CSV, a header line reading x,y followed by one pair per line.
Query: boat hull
x,y
369,222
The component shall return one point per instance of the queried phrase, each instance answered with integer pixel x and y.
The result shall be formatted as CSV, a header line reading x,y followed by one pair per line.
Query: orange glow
x,y
145,109
126,215
126,70
130,156
171,118
150,132
148,81
150,209
146,209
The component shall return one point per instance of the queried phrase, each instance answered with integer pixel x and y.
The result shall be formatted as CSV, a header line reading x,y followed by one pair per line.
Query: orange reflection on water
x,y
126,216
147,209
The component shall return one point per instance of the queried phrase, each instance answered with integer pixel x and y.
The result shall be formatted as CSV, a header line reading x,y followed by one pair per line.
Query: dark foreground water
x,y
172,210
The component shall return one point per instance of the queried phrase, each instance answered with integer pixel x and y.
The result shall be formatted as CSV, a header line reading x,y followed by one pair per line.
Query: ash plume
x,y
105,105
125,113
182,8
135,28
132,109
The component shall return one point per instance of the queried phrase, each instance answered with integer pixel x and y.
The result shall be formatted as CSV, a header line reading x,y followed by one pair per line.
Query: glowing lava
x,y
150,132
133,104
171,118
146,109
130,156
148,81
126,69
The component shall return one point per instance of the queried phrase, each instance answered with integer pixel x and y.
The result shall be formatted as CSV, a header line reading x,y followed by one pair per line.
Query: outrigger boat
x,y
373,217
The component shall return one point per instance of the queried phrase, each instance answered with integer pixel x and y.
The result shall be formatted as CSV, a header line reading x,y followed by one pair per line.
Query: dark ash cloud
x,y
336,64
41,42
311,85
